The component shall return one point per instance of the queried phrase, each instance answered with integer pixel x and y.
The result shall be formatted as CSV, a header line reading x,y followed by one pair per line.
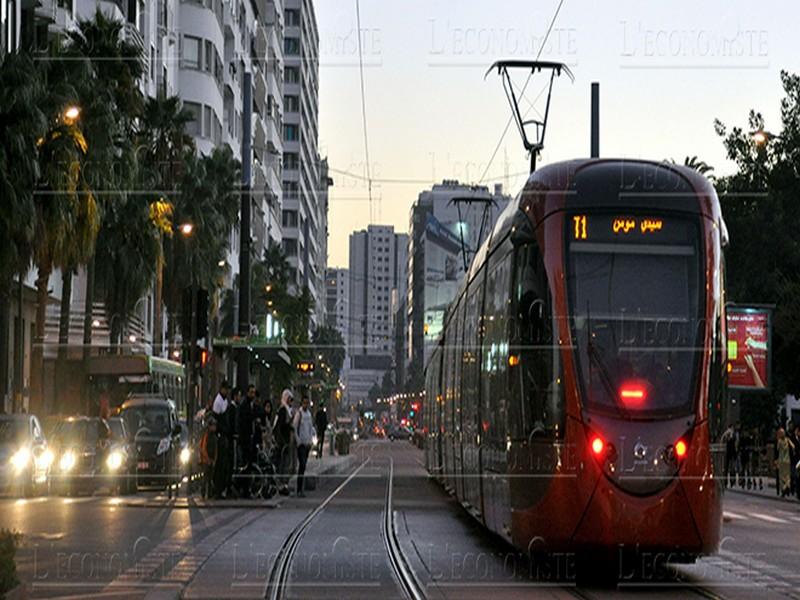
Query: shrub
x,y
9,542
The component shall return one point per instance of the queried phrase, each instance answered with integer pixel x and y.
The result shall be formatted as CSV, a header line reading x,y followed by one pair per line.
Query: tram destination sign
x,y
749,348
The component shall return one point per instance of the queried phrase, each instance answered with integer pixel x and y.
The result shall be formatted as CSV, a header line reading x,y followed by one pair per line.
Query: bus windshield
x,y
636,312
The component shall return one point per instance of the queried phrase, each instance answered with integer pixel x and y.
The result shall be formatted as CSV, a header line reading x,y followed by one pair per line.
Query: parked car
x,y
25,457
88,457
153,423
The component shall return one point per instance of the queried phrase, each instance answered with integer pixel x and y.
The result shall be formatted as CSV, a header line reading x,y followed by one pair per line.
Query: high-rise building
x,y
448,223
337,304
305,208
378,260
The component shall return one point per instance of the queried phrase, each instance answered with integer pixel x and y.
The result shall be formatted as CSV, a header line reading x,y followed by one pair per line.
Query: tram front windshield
x,y
635,289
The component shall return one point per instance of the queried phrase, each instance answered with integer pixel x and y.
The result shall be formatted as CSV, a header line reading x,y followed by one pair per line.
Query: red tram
x,y
573,395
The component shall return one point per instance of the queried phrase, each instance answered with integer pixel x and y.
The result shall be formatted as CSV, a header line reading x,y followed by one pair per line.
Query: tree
x,y
66,219
208,199
271,292
163,144
329,344
22,123
759,203
111,102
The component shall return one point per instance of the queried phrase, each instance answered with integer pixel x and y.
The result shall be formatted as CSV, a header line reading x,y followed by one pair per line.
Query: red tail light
x,y
681,448
598,446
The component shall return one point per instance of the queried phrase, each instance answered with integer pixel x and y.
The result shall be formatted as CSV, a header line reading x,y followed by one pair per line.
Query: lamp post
x,y
187,229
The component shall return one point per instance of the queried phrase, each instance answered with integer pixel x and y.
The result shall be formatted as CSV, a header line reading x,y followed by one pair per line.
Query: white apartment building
x,y
378,259
337,305
305,216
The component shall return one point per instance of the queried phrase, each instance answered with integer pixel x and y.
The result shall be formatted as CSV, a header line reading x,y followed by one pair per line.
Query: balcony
x,y
132,35
260,93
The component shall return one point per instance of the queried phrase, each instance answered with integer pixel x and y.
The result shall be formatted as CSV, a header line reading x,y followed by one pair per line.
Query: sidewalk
x,y
328,466
768,491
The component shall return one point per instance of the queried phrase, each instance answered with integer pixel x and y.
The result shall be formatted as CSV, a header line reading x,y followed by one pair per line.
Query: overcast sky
x,y
666,69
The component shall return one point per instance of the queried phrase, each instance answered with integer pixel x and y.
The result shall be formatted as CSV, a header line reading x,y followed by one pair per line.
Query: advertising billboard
x,y
749,348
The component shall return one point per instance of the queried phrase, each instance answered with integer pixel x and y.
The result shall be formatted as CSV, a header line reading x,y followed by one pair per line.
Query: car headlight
x,y
67,462
355,437
186,454
21,458
114,460
45,459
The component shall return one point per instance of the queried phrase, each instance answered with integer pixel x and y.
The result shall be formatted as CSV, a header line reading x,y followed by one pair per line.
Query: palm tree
x,y
162,144
111,102
207,198
66,219
698,165
22,123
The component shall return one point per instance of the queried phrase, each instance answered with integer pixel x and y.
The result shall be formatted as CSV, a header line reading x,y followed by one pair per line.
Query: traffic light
x,y
305,367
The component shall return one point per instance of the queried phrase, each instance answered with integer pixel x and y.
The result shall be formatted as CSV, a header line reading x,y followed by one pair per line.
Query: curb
x,y
765,496
184,503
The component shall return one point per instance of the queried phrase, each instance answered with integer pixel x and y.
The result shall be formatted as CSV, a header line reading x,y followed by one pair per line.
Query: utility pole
x,y
595,149
243,358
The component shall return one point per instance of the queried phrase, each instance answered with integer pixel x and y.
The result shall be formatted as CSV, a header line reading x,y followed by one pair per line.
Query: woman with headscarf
x,y
282,432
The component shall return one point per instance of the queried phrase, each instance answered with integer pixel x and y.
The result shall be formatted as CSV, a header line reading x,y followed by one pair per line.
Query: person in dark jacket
x,y
321,425
282,432
222,468
244,427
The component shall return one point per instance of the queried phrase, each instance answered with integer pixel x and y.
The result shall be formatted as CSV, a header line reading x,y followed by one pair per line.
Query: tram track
x,y
280,575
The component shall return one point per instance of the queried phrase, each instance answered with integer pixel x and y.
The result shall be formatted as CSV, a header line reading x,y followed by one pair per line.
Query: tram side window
x,y
534,359
494,358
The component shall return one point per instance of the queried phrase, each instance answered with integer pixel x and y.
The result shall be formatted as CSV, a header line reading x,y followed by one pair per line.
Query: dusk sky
x,y
666,70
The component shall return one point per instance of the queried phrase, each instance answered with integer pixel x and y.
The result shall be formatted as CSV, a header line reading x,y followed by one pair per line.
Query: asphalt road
x,y
334,543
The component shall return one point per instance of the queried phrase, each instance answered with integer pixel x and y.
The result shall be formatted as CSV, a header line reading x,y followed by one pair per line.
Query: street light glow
x,y
187,229
760,137
72,113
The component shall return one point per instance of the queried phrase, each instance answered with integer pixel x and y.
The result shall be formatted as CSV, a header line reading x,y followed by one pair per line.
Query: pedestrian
x,y
209,451
729,439
282,431
784,465
794,441
259,421
321,423
304,428
267,438
222,415
745,451
244,426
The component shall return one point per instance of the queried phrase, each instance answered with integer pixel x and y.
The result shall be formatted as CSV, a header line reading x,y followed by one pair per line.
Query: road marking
x,y
733,516
769,518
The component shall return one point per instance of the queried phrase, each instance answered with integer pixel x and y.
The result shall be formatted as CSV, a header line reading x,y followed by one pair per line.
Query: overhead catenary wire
x,y
522,93
364,107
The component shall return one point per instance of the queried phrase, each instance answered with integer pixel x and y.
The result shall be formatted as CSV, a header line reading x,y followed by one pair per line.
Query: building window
x,y
290,133
291,161
208,63
193,127
290,218
206,122
291,103
191,52
291,46
292,17
290,247
291,75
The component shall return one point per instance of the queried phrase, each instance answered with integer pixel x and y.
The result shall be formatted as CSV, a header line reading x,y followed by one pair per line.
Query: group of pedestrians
x,y
744,455
239,427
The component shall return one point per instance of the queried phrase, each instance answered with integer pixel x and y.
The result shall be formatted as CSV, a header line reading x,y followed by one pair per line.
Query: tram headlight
x,y
20,459
186,454
67,462
114,460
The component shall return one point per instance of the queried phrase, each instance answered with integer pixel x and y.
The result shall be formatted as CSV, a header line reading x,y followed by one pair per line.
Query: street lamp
x,y
187,229
71,114
762,136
